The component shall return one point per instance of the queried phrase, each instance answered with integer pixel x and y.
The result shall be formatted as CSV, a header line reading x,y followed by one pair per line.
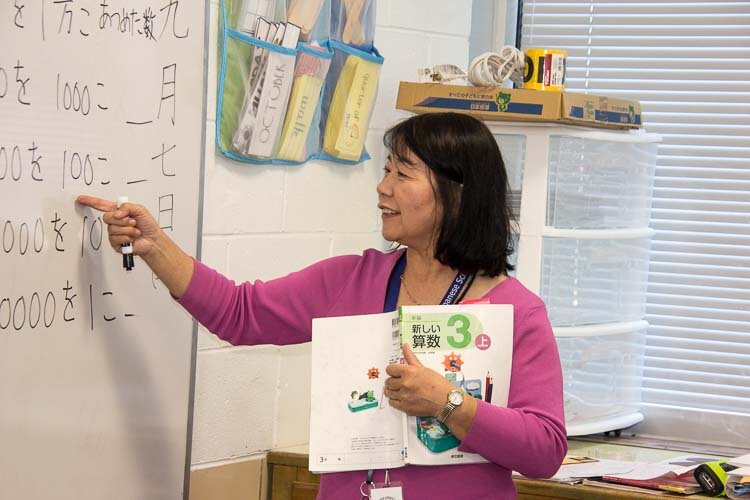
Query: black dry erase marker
x,y
128,262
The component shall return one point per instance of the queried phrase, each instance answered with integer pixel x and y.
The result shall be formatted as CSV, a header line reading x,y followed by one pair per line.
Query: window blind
x,y
688,63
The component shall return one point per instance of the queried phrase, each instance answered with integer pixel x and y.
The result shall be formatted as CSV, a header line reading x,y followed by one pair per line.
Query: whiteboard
x,y
100,97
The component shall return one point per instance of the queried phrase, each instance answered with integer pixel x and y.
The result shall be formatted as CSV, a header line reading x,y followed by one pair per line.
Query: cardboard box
x,y
600,111
500,103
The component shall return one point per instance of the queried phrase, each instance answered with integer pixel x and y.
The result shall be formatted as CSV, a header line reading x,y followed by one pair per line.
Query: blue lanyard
x,y
394,284
454,295
460,284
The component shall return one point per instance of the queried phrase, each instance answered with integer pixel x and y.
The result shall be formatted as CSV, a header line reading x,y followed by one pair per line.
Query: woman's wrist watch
x,y
455,399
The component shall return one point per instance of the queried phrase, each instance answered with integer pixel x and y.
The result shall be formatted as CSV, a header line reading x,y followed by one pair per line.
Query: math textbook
x,y
352,426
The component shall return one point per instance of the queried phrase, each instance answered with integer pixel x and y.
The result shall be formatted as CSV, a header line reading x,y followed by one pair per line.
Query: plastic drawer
x,y
513,149
598,184
594,280
602,374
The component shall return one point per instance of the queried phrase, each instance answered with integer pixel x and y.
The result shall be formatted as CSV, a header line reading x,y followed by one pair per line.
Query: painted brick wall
x,y
264,222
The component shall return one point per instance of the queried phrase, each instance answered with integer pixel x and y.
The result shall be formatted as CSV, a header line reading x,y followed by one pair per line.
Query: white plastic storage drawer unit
x,y
584,243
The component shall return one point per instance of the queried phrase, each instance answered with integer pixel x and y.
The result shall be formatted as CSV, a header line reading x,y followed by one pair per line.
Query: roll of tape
x,y
544,69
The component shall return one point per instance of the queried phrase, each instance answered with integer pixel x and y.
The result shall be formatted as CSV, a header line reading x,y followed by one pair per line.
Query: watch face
x,y
456,397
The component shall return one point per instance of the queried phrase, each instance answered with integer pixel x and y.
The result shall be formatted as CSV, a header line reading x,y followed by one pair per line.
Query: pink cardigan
x,y
528,436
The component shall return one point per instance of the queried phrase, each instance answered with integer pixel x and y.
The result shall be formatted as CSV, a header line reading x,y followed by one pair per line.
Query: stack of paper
x,y
303,103
674,475
574,467
269,84
251,11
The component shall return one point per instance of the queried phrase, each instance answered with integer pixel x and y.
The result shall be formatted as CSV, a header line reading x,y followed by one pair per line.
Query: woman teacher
x,y
444,197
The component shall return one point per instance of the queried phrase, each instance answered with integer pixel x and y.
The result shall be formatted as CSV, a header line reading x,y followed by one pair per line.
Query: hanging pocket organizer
x,y
288,105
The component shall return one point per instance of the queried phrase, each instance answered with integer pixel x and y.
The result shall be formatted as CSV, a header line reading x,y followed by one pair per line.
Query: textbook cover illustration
x,y
352,426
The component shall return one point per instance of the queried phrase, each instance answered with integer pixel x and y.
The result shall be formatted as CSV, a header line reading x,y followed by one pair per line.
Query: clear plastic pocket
x,y
243,15
312,16
348,101
266,74
300,133
353,22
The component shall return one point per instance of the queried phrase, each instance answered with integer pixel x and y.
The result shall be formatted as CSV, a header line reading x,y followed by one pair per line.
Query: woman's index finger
x,y
98,203
396,369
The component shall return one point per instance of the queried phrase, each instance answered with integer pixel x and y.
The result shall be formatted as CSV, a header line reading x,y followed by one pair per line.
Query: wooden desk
x,y
289,478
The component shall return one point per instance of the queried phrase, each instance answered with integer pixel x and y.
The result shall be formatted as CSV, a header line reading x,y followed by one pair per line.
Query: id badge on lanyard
x,y
386,493
386,490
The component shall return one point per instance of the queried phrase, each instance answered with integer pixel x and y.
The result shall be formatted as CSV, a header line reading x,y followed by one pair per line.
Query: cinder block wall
x,y
262,222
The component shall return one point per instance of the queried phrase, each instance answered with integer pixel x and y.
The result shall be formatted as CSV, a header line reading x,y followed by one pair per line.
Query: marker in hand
x,y
128,262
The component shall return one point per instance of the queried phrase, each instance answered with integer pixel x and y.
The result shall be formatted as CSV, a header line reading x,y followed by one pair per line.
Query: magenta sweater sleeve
x,y
529,435
279,311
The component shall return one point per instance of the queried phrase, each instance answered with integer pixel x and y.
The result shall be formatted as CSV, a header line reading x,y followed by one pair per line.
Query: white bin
x,y
597,184
590,279
513,150
602,375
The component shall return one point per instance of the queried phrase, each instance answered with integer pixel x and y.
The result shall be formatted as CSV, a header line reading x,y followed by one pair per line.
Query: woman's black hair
x,y
476,233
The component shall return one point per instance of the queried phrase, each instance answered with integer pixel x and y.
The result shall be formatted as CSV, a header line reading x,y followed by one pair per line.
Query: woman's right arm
x,y
278,311
133,223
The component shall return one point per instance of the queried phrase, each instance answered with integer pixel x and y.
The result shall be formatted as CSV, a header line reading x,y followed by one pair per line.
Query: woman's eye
x,y
399,173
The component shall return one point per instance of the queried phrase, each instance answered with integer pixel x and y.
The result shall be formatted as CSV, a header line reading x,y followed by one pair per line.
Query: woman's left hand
x,y
414,389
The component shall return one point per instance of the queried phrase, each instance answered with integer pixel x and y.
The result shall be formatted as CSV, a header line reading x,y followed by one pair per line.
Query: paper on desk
x,y
678,465
553,479
601,467
741,461
645,471
742,471
685,463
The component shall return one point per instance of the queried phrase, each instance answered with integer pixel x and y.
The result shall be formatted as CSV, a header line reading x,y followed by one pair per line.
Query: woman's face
x,y
406,198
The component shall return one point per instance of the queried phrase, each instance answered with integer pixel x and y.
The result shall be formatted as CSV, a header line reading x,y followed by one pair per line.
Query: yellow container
x,y
544,69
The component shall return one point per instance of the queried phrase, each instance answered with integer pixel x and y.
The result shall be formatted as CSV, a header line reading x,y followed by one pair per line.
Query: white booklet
x,y
352,426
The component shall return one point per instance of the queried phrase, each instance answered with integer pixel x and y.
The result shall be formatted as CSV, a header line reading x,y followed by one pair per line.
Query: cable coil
x,y
495,68
490,69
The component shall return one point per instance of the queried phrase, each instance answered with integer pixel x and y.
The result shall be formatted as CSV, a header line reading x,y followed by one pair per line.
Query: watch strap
x,y
445,412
